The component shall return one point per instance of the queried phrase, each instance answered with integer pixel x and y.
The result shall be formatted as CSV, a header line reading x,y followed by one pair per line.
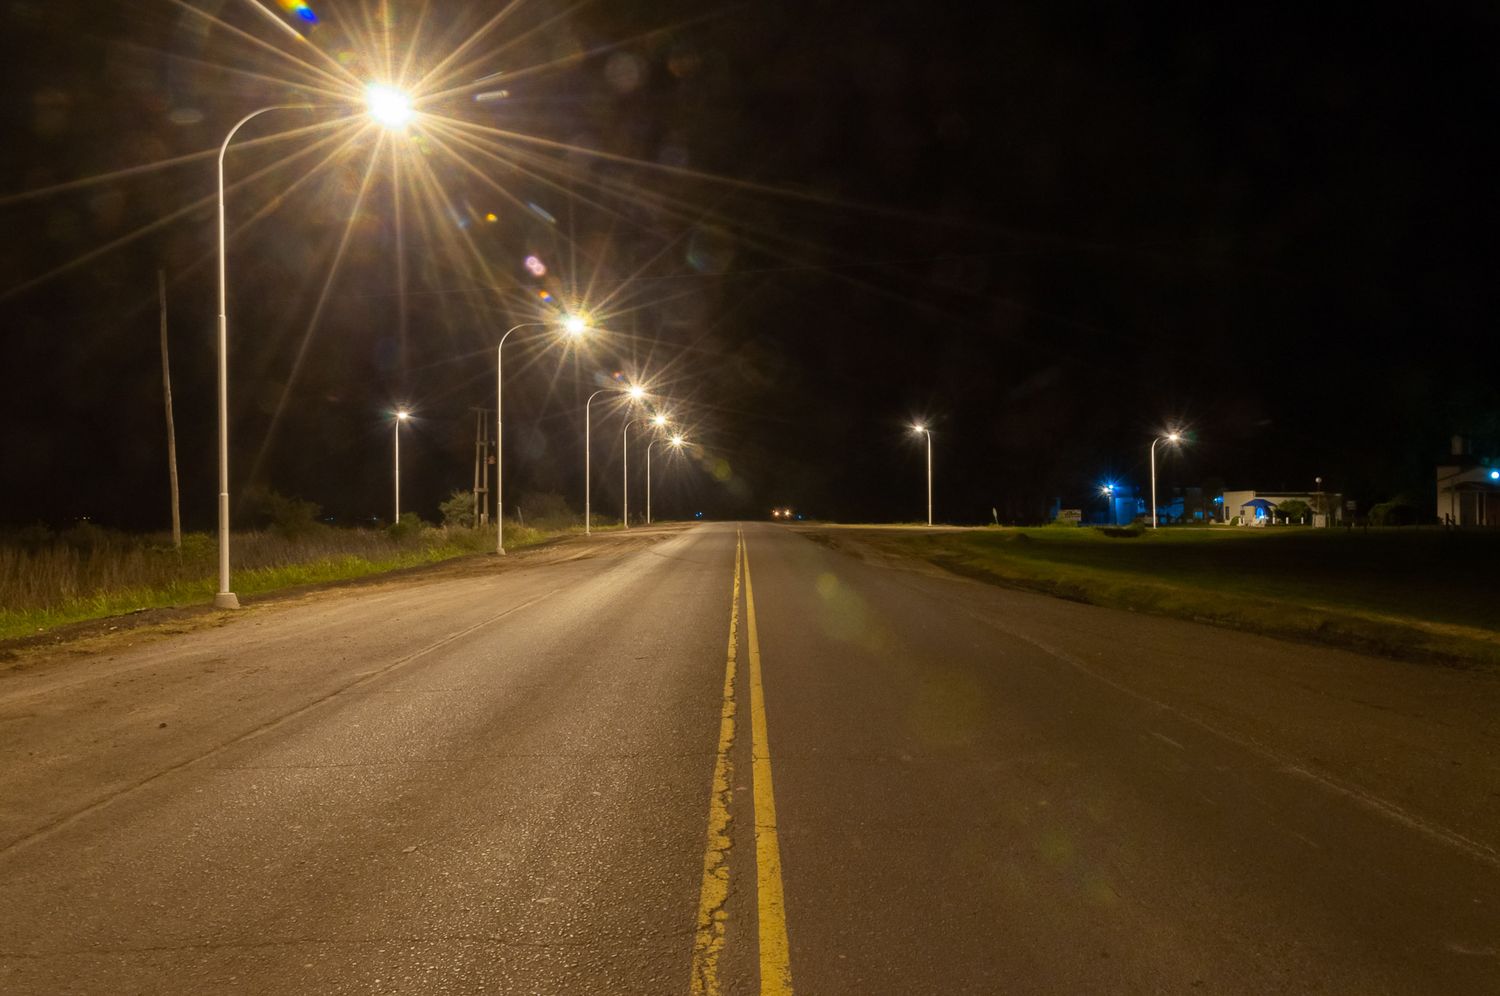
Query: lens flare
x,y
300,9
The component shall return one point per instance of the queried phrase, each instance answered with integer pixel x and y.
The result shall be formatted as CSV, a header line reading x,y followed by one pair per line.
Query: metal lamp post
x,y
656,420
392,109
919,427
573,326
636,392
226,599
401,416
676,441
1171,437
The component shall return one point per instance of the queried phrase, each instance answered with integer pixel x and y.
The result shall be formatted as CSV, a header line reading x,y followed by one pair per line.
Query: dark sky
x,y
1049,230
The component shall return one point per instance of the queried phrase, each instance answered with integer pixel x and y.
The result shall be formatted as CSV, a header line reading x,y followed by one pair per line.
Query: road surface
x,y
736,760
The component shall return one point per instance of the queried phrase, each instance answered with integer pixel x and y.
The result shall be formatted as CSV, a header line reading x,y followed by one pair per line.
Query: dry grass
x,y
87,573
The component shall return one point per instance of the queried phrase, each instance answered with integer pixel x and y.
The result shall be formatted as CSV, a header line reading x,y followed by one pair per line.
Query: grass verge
x,y
79,577
1406,593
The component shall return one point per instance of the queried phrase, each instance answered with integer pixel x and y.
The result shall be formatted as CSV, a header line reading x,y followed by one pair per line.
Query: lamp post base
x,y
226,600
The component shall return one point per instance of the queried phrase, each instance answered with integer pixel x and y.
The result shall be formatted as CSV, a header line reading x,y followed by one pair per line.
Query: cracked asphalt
x,y
502,779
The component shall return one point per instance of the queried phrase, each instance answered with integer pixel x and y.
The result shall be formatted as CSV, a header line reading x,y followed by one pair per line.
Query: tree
x,y
458,510
1295,509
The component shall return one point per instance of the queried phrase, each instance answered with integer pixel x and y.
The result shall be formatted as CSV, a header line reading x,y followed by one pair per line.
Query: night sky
x,y
1050,230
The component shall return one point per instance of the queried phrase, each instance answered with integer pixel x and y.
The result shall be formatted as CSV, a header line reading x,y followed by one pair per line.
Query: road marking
x,y
775,952
708,942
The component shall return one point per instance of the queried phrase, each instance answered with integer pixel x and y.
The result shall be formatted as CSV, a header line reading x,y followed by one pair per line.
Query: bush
x,y
1123,532
546,510
1296,510
1399,511
289,517
458,510
411,526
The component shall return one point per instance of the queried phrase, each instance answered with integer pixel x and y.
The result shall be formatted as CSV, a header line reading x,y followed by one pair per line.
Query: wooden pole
x,y
166,387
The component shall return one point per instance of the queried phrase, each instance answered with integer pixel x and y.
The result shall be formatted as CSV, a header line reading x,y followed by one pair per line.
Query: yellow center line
x,y
775,952
708,942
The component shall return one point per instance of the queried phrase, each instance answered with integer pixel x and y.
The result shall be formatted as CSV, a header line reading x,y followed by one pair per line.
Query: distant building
x,y
1259,508
1468,489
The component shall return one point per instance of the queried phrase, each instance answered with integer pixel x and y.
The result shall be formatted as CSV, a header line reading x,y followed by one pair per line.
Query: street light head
x,y
403,415
677,440
637,392
1174,437
575,325
658,420
918,427
387,105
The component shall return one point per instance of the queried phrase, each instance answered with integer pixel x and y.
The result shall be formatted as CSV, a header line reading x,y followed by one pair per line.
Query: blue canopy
x,y
1260,503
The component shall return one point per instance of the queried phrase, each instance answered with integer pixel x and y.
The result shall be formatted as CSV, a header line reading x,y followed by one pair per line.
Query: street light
x,y
919,427
657,420
574,326
1108,491
224,598
636,393
401,416
676,441
1174,438
389,107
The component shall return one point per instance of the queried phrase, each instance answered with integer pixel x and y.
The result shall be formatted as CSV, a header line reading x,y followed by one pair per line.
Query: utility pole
x,y
166,390
481,466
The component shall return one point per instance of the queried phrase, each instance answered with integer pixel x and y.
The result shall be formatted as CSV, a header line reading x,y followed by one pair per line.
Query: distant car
x,y
781,513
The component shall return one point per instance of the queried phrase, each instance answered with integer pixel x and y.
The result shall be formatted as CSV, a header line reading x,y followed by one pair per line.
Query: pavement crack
x,y
708,939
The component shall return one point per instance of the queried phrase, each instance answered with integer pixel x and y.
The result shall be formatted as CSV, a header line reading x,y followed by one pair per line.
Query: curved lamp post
x,y
636,393
573,325
392,109
919,427
656,420
1171,437
676,441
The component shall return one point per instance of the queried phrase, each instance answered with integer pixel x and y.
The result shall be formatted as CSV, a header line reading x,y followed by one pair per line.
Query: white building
x,y
1468,494
1259,508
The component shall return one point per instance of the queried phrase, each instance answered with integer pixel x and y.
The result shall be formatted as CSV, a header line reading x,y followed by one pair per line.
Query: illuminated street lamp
x,y
1174,438
919,427
658,420
224,598
401,416
573,326
387,106
636,392
676,441
1108,491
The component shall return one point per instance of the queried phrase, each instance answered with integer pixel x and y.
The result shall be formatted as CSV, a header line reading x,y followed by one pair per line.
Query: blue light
x,y
1495,475
307,15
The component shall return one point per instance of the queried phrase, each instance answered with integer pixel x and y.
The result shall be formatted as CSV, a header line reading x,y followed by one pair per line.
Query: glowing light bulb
x,y
390,107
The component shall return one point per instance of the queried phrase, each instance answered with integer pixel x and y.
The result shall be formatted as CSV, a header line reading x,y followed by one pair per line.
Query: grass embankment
x,y
89,573
1411,593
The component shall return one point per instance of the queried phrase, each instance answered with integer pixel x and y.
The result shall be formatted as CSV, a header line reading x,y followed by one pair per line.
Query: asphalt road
x,y
675,763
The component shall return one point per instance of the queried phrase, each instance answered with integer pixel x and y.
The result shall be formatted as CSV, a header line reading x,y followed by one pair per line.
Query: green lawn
x,y
1406,592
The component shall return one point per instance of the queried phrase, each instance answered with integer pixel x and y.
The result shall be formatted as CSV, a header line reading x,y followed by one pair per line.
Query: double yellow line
x,y
708,942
